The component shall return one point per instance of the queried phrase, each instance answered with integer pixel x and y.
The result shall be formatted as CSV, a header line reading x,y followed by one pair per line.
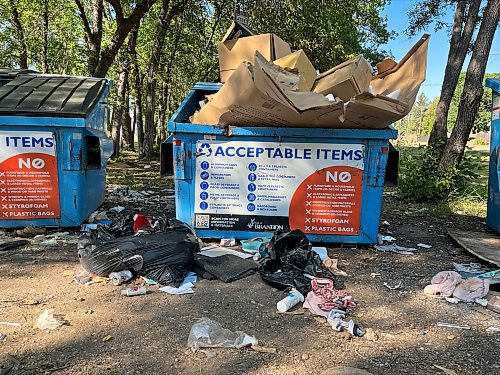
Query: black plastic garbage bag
x,y
227,268
164,257
290,258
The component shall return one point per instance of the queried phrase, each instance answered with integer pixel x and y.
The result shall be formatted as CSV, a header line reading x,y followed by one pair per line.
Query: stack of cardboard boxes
x,y
266,84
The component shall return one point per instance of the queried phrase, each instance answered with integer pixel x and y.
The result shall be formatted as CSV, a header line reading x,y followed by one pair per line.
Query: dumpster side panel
x,y
493,209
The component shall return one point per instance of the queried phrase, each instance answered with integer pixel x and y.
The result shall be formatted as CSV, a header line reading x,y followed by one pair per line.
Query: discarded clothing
x,y
470,269
164,257
324,297
443,284
470,289
290,260
227,268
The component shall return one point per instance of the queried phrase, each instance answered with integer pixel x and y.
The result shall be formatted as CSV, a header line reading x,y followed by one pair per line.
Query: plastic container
x,y
290,301
134,291
118,278
254,245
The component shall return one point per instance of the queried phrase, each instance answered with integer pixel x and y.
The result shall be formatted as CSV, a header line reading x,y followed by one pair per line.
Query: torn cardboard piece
x,y
346,80
263,95
300,63
235,51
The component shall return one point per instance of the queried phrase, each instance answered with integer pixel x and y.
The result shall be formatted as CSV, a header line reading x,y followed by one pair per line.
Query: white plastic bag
x,y
207,333
47,320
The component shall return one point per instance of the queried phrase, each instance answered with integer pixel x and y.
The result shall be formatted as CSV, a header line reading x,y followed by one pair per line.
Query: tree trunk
x,y
150,112
45,32
464,25
137,90
19,30
473,87
93,32
121,117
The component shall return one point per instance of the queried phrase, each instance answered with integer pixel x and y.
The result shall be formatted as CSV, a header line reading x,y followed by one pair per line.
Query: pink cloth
x,y
472,288
312,303
443,284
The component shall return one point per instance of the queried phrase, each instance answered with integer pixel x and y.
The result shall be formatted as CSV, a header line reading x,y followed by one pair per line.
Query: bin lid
x,y
50,96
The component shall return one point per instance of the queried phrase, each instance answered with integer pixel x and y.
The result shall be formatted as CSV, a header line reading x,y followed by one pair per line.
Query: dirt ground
x,y
149,333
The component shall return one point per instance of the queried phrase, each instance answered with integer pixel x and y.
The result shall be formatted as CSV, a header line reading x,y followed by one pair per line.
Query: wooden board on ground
x,y
483,245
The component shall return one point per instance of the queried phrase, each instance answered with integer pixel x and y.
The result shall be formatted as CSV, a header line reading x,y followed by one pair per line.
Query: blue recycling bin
x,y
493,210
245,182
53,149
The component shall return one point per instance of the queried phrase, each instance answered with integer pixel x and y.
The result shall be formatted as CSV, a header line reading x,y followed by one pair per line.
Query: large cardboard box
x,y
345,80
233,52
392,92
262,94
299,61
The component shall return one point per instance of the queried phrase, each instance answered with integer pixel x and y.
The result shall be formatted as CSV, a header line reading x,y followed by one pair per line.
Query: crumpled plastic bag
x,y
290,257
207,333
48,320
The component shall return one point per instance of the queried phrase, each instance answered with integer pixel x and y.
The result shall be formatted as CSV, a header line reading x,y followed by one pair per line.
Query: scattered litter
x,y
375,274
385,222
321,251
263,349
147,166
289,301
446,370
11,324
255,245
215,251
470,268
393,248
117,209
227,242
48,320
134,291
493,330
481,301
424,245
397,286
207,333
324,297
336,320
492,276
332,265
186,286
3,336
381,238
453,300
451,325
148,281
30,231
118,278
107,338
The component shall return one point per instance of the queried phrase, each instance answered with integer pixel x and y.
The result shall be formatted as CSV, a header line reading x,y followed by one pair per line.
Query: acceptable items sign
x,y
265,186
28,176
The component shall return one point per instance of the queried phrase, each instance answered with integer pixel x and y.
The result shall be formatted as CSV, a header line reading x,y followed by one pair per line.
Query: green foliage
x,y
482,121
422,181
329,31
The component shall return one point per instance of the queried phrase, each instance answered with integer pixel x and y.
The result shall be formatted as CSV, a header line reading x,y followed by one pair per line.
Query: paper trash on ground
x,y
393,248
186,286
214,251
424,246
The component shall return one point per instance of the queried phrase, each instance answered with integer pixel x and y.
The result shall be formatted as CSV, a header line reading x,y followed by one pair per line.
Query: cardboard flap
x,y
279,84
406,76
299,61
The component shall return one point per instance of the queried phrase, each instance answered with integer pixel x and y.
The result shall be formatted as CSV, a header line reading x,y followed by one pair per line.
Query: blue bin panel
x,y
244,182
493,210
